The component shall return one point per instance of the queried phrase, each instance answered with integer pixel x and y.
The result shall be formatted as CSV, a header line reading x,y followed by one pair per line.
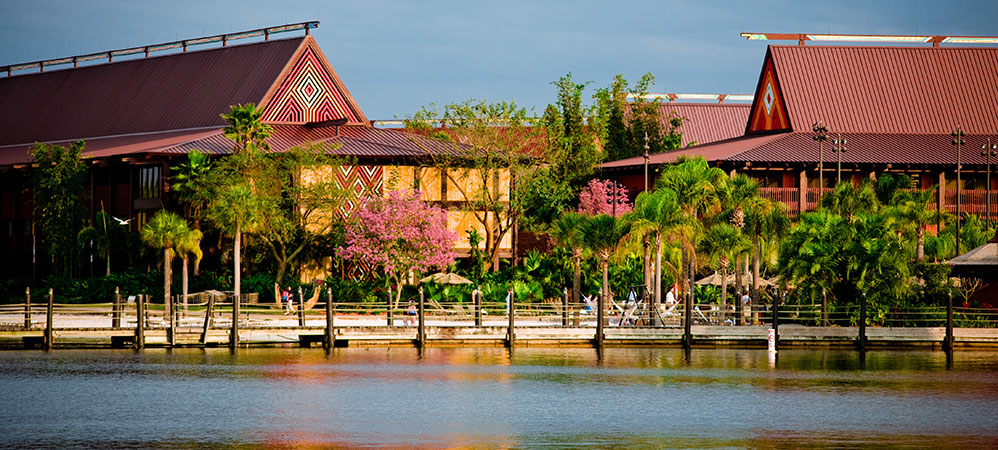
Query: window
x,y
150,182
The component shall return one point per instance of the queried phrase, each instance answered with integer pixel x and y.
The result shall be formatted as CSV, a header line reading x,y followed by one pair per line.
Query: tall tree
x,y
188,244
722,244
630,114
58,209
165,231
912,212
568,231
574,148
104,233
603,234
188,185
658,215
400,234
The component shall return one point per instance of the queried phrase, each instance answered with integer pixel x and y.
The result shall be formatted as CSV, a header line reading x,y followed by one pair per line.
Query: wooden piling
x,y
116,309
391,313
208,312
49,320
600,318
140,333
234,336
301,308
27,308
330,315
172,331
688,319
861,340
421,330
564,307
476,298
948,340
511,328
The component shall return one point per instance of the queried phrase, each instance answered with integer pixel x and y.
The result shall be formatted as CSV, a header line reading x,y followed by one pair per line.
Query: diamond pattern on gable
x,y
768,111
308,94
363,181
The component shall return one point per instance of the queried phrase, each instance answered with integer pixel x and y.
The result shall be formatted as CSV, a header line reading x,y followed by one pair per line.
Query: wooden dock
x,y
495,336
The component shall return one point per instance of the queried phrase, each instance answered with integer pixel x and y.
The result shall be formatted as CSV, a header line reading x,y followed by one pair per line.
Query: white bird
x,y
122,221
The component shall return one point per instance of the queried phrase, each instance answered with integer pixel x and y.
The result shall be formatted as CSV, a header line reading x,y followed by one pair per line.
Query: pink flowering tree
x,y
598,197
400,234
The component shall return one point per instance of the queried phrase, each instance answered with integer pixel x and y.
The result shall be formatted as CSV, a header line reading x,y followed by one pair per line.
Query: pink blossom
x,y
400,234
597,198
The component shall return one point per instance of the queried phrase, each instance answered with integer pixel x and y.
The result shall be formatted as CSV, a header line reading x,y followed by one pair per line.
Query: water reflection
x,y
497,398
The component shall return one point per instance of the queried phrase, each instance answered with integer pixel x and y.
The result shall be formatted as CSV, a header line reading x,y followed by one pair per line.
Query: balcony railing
x,y
972,201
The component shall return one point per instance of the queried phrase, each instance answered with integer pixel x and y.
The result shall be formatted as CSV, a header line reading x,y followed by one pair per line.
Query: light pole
x,y
987,151
958,141
839,147
646,161
820,135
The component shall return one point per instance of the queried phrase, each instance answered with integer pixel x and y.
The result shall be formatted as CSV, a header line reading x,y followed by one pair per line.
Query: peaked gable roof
x,y
888,89
309,90
769,111
170,92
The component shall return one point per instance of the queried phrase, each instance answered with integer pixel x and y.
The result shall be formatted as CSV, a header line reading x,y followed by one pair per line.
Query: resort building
x,y
140,111
880,109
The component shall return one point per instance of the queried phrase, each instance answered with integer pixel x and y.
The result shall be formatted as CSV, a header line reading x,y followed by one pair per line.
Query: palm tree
x,y
236,210
699,190
188,244
246,128
911,211
568,231
602,234
188,184
165,231
847,200
722,243
765,220
104,234
657,214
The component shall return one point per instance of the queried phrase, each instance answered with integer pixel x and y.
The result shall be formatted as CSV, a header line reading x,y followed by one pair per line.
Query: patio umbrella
x,y
445,278
715,279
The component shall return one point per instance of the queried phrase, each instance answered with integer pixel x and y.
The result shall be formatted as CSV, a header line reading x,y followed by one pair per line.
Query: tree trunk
x,y
920,251
658,271
605,261
167,279
647,266
724,293
577,275
738,279
756,254
236,260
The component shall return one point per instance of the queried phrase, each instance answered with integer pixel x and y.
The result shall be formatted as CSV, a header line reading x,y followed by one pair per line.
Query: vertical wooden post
x,y
688,318
862,320
172,331
301,308
600,318
776,316
391,313
49,322
421,331
234,337
27,308
948,340
208,312
564,308
511,329
330,315
140,332
116,309
476,297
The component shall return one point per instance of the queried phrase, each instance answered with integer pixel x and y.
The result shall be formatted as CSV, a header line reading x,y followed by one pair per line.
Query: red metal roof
x,y
889,89
171,92
800,147
111,146
357,141
708,122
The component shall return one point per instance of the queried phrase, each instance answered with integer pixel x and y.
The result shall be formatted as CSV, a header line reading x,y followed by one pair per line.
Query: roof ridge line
x,y
111,136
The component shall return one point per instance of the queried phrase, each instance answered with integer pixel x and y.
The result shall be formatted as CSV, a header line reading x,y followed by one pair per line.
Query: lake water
x,y
490,398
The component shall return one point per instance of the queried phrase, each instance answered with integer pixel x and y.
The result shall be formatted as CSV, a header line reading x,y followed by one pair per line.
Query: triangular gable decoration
x,y
768,113
308,94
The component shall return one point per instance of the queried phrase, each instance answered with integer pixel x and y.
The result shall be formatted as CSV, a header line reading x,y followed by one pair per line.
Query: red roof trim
x,y
769,110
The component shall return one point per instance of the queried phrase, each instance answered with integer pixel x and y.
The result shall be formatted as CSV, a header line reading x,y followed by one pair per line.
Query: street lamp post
x,y
958,141
987,151
839,147
646,161
820,135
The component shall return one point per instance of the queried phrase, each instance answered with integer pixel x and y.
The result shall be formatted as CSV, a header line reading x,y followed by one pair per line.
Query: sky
x,y
396,56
